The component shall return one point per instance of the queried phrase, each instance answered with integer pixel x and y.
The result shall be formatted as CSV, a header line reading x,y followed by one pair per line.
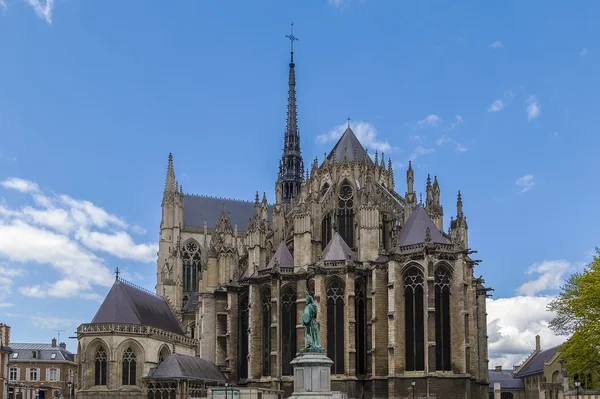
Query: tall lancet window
x,y
100,367
442,319
129,367
243,336
266,330
415,318
360,307
335,325
325,231
288,326
346,214
191,266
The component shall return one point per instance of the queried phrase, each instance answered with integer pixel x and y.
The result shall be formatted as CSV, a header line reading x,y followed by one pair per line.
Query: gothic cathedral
x,y
399,306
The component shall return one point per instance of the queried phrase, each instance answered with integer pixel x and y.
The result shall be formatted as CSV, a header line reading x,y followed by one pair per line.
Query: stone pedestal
x,y
312,376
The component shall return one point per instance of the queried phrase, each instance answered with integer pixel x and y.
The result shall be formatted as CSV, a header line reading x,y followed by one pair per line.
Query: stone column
x,y
232,333
350,330
300,303
321,301
208,331
276,344
255,335
380,333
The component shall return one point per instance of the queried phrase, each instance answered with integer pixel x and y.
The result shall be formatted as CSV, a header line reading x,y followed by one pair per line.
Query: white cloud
x,y
496,106
442,140
430,120
552,274
458,121
7,275
21,185
4,7
46,321
68,234
496,44
420,151
583,52
138,229
364,131
42,8
461,148
534,108
525,183
513,324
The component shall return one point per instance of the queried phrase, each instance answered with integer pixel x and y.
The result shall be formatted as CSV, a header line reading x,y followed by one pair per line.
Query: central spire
x,y
291,170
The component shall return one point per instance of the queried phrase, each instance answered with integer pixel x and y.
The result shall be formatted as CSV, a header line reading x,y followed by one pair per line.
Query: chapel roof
x,y
337,249
346,146
415,229
131,305
282,257
535,364
198,208
184,367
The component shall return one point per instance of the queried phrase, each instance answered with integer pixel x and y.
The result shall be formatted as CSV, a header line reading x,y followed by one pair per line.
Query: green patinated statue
x,y
311,328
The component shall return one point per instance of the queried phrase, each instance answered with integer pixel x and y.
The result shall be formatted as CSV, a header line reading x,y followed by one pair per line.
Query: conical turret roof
x,y
283,257
346,146
414,230
337,249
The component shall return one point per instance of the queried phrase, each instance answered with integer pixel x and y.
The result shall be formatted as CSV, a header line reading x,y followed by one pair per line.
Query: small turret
x,y
459,206
410,196
436,191
458,226
428,192
265,207
410,178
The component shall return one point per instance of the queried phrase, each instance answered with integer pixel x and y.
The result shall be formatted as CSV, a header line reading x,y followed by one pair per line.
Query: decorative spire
x,y
291,172
170,185
382,161
410,178
459,206
117,273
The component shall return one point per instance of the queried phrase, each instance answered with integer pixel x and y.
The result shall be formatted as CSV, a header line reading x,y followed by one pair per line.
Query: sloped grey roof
x,y
535,365
191,302
45,352
184,367
506,380
283,257
346,146
128,304
197,208
337,249
414,230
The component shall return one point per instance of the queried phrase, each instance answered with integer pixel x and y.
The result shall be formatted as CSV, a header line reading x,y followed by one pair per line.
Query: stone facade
x,y
397,297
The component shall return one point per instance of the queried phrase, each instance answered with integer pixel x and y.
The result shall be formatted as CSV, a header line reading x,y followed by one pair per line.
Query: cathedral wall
x,y
207,312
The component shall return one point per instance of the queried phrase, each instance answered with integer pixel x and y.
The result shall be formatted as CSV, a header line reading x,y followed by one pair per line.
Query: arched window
x,y
360,307
414,320
325,230
100,367
129,367
324,189
163,354
442,319
346,214
243,336
288,326
335,325
266,331
191,266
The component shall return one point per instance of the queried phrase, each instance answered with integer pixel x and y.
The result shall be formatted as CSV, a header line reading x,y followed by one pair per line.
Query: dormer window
x,y
15,355
34,355
53,356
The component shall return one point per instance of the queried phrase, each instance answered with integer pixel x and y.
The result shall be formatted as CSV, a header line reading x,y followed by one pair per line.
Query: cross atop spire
x,y
292,40
348,122
117,273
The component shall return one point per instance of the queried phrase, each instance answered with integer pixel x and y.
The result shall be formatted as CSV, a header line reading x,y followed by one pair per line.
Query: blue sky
x,y
496,99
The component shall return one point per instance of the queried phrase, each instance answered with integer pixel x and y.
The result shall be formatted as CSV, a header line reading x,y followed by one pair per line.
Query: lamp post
x,y
577,385
226,385
413,383
69,384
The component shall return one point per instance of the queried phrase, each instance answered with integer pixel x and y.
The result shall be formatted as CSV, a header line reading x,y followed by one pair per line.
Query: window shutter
x,y
27,374
58,374
18,373
47,375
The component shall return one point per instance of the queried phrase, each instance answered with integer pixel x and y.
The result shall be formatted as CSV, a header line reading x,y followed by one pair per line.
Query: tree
x,y
577,310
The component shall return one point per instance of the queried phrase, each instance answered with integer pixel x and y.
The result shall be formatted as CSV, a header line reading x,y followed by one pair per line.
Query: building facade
x,y
4,356
40,370
400,309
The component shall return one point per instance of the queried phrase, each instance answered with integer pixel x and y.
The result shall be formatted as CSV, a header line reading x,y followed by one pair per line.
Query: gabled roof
x,y
45,351
128,304
283,257
346,146
415,229
337,249
184,367
535,364
506,380
192,302
198,208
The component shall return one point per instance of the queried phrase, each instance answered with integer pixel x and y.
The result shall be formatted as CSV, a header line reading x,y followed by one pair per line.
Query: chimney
x,y
54,342
63,345
498,368
538,346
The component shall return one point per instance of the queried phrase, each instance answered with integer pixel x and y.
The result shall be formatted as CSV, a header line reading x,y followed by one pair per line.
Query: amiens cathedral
x,y
398,300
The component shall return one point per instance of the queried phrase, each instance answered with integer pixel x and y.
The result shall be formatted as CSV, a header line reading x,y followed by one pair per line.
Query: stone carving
x,y
311,327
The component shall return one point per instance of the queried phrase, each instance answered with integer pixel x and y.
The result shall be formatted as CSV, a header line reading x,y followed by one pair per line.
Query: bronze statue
x,y
311,327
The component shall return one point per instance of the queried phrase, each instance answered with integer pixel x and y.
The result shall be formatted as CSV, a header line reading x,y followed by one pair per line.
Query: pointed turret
x,y
428,192
410,178
264,205
170,184
410,196
436,191
291,171
458,226
459,206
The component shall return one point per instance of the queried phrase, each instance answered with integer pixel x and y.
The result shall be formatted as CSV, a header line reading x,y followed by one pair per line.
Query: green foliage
x,y
577,310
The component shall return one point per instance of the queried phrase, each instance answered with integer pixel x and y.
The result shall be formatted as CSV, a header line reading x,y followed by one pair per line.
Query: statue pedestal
x,y
312,376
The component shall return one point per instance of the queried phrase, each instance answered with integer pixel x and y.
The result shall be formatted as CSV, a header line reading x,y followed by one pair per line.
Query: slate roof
x,y
337,249
283,257
24,350
184,367
192,302
197,208
345,146
128,304
535,365
506,380
414,230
